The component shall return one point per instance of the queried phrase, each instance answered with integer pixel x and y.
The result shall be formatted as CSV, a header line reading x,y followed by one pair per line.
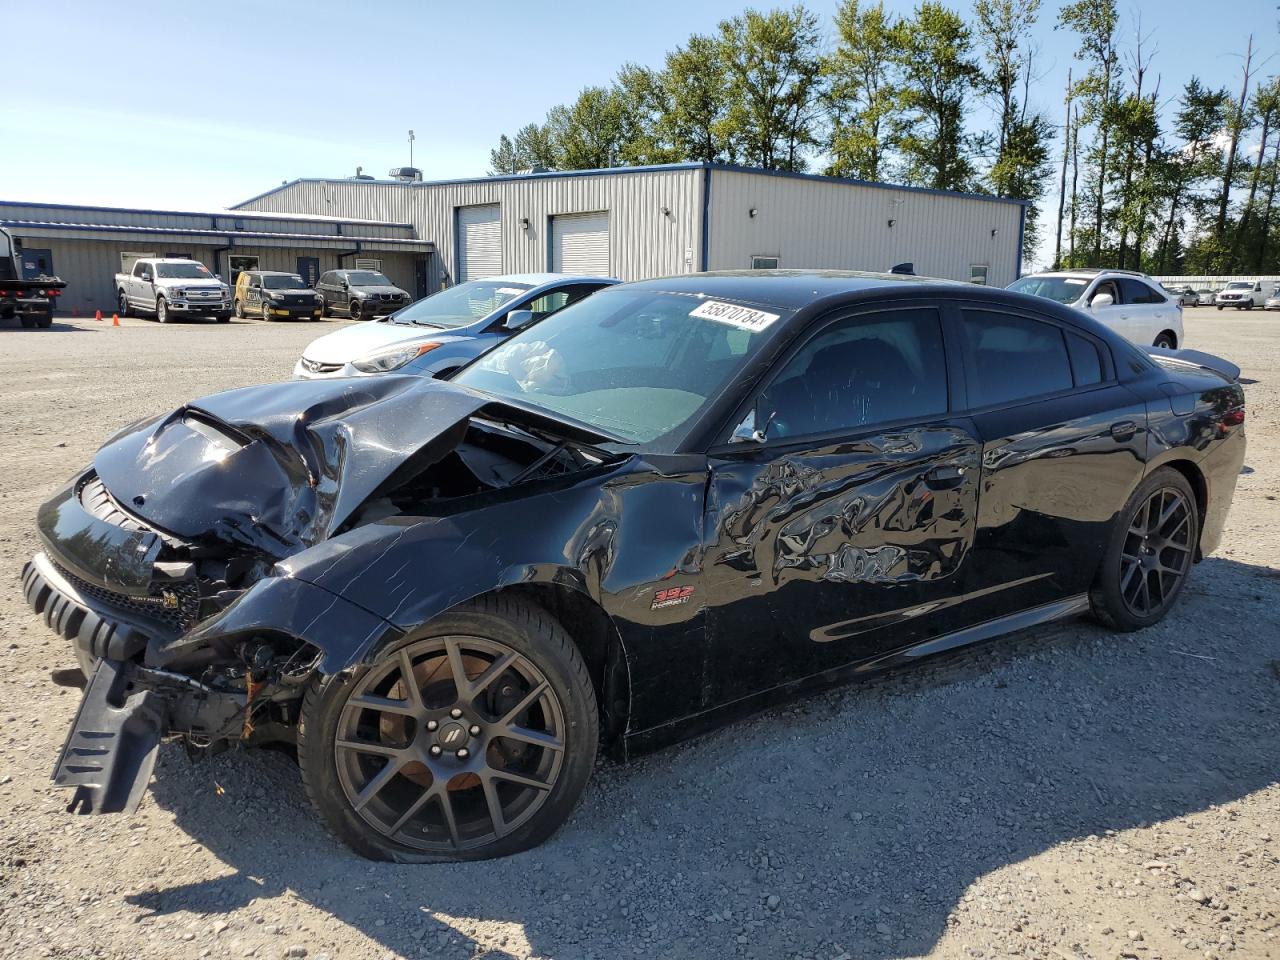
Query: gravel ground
x,y
1066,793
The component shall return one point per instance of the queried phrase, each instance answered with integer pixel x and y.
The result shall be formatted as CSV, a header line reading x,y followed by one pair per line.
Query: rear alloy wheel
x,y
472,742
1166,341
1150,553
353,307
125,309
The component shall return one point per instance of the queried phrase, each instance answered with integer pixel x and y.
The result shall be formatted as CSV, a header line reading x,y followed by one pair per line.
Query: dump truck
x,y
30,299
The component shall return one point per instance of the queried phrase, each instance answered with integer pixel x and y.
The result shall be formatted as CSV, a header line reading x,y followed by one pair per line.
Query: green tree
x,y
1266,111
938,75
1095,22
1200,116
862,91
773,83
1022,138
696,93
642,100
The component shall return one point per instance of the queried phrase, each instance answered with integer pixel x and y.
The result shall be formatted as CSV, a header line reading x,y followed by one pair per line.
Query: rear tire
x,y
28,322
44,322
445,802
1166,340
125,309
1149,553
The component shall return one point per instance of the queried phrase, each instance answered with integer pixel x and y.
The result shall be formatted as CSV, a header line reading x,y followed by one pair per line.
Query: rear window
x,y
1086,361
1013,358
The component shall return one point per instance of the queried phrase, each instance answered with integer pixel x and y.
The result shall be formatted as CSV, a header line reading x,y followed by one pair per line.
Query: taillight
x,y
1233,418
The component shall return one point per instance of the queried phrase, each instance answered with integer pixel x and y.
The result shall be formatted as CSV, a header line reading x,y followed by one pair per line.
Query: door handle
x,y
1124,430
945,477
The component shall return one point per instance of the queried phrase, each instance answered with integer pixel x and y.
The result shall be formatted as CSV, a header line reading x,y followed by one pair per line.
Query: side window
x,y
139,267
1086,361
1013,358
1107,286
1135,291
860,372
548,304
325,280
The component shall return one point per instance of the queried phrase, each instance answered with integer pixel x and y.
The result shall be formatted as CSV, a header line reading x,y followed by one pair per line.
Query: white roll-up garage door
x,y
580,243
479,242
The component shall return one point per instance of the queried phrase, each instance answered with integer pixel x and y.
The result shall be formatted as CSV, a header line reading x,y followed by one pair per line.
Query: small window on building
x,y
368,263
764,263
978,273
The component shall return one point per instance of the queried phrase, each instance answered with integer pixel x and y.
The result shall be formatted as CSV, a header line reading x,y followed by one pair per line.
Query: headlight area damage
x,y
177,566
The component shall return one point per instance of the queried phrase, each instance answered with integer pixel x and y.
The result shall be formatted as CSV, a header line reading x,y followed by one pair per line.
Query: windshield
x,y
284,283
466,303
1240,285
1062,289
368,278
183,271
635,364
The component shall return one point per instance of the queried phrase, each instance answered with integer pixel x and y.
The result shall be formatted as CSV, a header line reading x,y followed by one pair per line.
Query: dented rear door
x,y
832,549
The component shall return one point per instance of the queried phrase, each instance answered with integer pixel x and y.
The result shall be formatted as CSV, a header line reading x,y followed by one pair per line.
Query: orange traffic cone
x,y
97,314
115,319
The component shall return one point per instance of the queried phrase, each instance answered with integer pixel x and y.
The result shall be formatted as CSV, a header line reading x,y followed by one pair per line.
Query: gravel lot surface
x,y
1067,793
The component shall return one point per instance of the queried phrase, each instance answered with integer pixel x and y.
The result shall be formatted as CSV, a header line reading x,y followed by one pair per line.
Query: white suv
x,y
1130,303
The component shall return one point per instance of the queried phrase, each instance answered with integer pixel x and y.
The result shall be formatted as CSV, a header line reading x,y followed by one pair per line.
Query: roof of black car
x,y
790,289
273,273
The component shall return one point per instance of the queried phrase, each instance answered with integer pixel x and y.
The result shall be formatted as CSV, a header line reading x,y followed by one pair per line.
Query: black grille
x,y
176,604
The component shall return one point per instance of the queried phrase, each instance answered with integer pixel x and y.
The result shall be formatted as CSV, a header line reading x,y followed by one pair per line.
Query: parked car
x,y
672,503
1130,303
1241,294
1188,297
1273,301
273,295
169,286
1204,297
446,330
360,294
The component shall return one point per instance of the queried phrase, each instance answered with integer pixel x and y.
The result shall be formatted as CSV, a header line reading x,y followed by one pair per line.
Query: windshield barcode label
x,y
743,318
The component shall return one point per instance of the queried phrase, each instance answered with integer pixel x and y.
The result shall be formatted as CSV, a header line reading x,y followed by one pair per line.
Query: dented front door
x,y
821,556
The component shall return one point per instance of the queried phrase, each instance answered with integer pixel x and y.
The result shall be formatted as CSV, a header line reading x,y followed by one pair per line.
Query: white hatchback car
x,y
1130,303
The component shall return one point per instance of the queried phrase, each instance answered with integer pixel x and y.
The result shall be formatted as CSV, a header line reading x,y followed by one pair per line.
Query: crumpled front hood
x,y
281,466
358,341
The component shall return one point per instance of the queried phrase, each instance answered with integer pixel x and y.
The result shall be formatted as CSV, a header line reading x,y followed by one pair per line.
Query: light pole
x,y
411,148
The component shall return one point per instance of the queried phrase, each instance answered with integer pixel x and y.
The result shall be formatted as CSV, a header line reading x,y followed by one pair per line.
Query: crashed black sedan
x,y
675,502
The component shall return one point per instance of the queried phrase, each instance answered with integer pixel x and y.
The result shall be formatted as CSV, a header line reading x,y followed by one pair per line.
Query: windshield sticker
x,y
511,291
744,318
1075,283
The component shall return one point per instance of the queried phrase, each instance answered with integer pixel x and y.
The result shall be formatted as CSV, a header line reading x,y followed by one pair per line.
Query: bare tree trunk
x,y
1062,177
1266,217
1243,227
1075,179
1104,128
1237,123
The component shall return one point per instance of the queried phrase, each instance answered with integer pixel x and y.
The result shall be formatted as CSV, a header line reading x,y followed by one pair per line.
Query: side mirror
x,y
345,285
747,432
1101,300
146,276
517,319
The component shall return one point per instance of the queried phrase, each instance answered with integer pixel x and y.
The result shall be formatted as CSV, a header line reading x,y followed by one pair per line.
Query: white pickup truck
x,y
167,287
1241,294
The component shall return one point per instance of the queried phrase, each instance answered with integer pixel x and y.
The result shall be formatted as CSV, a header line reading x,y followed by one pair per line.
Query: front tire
x,y
162,310
354,308
238,310
1149,553
483,754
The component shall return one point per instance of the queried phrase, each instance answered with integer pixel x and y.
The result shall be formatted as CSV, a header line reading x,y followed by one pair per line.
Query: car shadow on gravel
x,y
851,823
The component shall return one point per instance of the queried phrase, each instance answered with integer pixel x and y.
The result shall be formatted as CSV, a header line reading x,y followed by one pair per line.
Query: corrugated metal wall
x,y
815,223
644,241
90,266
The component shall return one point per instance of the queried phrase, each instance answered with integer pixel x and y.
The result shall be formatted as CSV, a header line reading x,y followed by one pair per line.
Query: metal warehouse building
x,y
638,222
628,222
87,246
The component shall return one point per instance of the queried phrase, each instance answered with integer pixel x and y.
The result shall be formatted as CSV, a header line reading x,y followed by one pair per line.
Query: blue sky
x,y
112,108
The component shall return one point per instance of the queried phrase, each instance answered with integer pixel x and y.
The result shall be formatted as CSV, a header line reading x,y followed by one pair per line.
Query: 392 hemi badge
x,y
671,597
169,599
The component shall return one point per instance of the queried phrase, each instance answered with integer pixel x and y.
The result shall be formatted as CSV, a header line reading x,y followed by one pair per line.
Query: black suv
x,y
361,294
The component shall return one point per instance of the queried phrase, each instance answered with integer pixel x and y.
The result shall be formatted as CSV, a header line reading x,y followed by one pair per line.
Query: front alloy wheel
x,y
473,742
353,307
162,310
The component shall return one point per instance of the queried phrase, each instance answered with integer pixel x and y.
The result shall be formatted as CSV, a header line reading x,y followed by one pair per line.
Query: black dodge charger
x,y
673,503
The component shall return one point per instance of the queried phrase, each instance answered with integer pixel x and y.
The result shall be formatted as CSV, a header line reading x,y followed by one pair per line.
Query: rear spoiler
x,y
1197,359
